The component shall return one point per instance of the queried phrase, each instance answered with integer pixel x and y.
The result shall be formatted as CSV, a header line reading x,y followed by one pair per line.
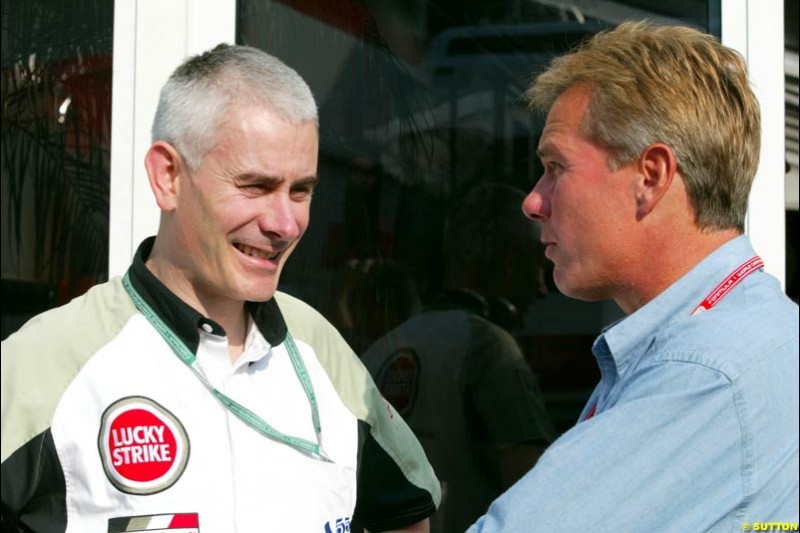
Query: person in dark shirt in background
x,y
455,372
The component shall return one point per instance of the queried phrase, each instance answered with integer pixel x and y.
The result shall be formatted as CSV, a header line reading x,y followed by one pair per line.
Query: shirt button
x,y
207,328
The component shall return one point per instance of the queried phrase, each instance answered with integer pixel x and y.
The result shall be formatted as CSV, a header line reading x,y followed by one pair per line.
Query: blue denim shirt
x,y
696,425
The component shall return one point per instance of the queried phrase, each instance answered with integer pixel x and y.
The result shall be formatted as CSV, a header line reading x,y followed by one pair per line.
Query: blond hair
x,y
672,85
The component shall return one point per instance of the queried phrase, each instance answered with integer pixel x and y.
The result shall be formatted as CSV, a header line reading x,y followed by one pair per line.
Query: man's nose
x,y
536,205
279,219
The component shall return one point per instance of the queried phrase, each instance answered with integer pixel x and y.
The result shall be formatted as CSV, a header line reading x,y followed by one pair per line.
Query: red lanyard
x,y
714,297
727,285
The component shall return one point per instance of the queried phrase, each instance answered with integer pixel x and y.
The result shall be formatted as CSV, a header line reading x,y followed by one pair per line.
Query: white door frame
x,y
755,29
151,38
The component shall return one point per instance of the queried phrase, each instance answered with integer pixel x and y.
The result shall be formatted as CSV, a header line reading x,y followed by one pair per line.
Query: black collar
x,y
186,321
464,299
494,309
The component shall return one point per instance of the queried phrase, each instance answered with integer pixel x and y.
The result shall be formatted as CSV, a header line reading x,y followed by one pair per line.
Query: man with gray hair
x,y
649,151
190,392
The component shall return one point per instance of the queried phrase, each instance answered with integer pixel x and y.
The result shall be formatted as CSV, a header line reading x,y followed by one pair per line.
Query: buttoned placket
x,y
214,359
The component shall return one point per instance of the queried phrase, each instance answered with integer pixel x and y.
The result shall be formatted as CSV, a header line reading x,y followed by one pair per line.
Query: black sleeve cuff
x,y
385,498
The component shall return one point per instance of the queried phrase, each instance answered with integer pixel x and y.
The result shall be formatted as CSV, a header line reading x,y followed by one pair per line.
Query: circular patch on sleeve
x,y
397,379
143,446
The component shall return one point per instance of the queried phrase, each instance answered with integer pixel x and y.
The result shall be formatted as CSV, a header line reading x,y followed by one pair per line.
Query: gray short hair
x,y
199,93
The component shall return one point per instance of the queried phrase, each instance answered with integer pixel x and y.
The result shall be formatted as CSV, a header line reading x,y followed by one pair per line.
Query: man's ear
x,y
657,167
164,165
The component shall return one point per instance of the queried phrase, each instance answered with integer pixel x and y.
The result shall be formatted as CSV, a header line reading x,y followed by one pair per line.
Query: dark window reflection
x,y
56,97
420,106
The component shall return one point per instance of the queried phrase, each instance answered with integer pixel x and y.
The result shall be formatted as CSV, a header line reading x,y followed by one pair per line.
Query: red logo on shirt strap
x,y
591,412
727,285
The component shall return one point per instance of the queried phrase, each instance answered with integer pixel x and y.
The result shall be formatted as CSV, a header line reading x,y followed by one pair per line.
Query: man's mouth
x,y
256,252
548,246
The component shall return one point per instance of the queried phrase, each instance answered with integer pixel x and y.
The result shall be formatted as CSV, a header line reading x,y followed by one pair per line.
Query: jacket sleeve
x,y
386,499
38,363
396,484
33,488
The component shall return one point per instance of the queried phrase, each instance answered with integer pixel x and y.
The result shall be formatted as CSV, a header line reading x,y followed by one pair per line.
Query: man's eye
x,y
253,189
257,188
554,167
302,193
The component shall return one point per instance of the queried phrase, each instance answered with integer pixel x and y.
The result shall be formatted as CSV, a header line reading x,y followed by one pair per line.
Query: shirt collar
x,y
633,334
184,320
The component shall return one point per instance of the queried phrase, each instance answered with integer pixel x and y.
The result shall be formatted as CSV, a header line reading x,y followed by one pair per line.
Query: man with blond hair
x,y
649,152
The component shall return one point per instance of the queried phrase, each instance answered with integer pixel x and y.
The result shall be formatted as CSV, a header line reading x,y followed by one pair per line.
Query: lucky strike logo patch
x,y
397,380
143,446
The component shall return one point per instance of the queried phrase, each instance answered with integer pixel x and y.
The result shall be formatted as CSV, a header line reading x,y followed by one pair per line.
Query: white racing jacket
x,y
105,429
